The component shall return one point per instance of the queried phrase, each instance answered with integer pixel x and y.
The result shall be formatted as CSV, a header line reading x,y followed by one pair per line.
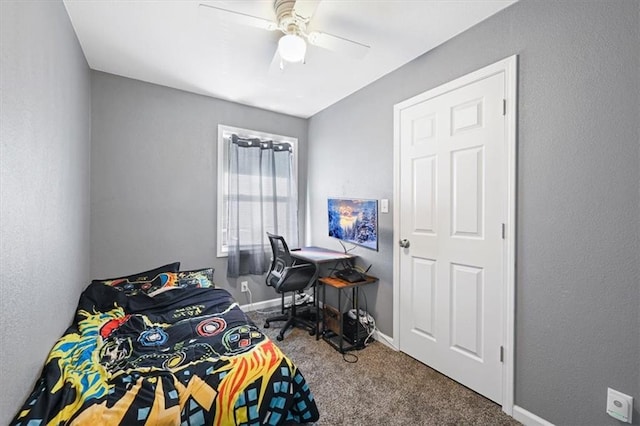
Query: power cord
x,y
345,247
350,357
371,322
380,335
374,328
257,310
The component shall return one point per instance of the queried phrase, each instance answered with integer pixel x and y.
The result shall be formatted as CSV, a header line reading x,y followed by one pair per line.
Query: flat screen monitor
x,y
354,220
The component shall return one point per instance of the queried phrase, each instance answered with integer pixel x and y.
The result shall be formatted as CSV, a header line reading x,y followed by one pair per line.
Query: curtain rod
x,y
278,146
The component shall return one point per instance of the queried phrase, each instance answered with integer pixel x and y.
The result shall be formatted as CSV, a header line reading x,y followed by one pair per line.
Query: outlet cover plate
x,y
384,205
619,405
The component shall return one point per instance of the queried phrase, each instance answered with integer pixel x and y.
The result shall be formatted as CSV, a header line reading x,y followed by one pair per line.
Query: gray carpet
x,y
383,387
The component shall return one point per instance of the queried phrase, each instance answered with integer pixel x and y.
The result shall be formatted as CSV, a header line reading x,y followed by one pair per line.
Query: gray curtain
x,y
262,197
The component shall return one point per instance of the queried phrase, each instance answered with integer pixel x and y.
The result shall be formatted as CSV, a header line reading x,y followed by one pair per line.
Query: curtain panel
x,y
262,197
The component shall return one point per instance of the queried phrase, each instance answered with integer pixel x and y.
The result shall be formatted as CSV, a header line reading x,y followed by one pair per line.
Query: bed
x,y
165,348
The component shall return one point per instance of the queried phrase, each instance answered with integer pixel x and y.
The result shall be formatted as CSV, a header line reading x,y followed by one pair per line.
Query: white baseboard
x,y
527,418
384,339
265,304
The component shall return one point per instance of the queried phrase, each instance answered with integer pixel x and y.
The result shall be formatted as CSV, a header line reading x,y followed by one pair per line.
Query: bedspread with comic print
x,y
183,357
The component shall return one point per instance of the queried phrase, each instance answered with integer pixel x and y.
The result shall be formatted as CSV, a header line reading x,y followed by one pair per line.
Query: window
x,y
254,216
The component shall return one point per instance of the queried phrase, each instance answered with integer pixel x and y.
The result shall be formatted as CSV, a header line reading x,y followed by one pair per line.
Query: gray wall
x,y
578,251
44,188
154,173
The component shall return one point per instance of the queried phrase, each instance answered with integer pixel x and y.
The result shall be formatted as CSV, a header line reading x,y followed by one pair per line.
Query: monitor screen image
x,y
354,221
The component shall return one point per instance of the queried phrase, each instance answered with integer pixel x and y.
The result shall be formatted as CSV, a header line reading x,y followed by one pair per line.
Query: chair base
x,y
292,320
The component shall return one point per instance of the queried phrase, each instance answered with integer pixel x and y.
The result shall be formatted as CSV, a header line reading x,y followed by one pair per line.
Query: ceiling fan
x,y
292,18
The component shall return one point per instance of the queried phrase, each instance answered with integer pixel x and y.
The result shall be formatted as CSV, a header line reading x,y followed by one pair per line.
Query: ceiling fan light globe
x,y
292,48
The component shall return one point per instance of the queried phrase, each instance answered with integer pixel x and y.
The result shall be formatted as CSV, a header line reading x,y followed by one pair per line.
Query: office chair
x,y
285,276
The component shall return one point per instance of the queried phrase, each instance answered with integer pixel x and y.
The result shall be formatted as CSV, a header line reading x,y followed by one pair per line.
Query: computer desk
x,y
321,256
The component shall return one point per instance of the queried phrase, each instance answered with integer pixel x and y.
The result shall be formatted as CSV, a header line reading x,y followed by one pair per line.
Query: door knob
x,y
404,243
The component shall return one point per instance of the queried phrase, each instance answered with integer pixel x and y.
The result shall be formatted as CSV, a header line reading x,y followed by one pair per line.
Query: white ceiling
x,y
178,44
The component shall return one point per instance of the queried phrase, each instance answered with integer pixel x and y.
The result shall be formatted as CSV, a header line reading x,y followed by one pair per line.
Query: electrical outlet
x,y
244,286
619,405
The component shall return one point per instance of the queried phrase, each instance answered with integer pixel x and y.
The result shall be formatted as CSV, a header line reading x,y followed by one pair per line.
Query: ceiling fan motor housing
x,y
288,21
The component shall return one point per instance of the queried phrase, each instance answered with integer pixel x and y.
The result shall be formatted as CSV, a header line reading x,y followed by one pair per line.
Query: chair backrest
x,y
280,249
285,275
280,260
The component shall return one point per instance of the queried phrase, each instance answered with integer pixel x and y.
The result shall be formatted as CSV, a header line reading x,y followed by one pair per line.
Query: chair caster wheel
x,y
279,337
312,332
266,325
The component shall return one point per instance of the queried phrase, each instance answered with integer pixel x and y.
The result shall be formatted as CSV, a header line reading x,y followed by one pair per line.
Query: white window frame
x,y
223,172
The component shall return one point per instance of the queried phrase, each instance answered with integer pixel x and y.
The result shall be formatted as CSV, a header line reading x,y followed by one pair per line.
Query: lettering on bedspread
x,y
188,311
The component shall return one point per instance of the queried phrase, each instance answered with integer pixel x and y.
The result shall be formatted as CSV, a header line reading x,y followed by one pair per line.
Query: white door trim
x,y
507,66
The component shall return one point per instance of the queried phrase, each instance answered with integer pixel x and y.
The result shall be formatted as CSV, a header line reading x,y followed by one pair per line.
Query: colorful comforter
x,y
184,357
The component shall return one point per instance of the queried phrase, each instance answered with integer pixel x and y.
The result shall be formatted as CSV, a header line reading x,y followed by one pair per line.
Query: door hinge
x,y
504,107
501,353
504,231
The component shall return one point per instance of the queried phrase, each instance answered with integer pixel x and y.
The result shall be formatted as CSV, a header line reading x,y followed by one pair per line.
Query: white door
x,y
453,194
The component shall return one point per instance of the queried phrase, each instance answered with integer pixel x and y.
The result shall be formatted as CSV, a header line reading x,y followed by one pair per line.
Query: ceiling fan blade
x,y
305,8
338,44
238,18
